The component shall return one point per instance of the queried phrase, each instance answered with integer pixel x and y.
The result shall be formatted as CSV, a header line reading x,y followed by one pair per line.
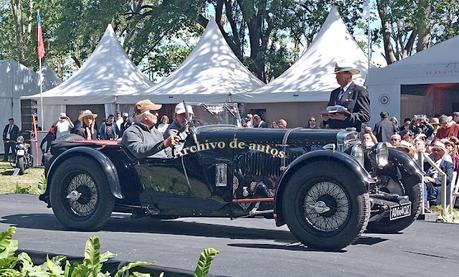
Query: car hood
x,y
297,136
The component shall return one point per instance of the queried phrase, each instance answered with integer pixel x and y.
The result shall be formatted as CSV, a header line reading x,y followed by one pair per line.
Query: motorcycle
x,y
23,159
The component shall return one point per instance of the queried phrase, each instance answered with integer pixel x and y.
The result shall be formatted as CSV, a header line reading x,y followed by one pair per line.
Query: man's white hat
x,y
180,108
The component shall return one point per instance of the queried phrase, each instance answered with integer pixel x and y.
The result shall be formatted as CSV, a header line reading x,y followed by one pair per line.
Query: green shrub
x,y
22,190
448,217
42,184
22,265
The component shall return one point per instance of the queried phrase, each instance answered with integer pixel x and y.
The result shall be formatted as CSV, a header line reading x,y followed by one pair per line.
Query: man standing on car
x,y
142,139
352,97
10,134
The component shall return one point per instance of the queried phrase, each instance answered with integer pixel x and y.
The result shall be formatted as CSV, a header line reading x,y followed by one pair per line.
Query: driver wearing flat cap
x,y
141,138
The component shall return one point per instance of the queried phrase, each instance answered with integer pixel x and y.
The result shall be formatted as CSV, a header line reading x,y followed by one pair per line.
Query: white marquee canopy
x,y
105,75
211,73
310,78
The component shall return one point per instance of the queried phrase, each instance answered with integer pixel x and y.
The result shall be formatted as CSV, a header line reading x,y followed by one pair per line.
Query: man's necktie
x,y
340,95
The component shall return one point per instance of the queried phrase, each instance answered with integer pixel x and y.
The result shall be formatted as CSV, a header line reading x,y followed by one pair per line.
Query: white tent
x,y
17,80
106,74
304,89
211,73
426,82
310,78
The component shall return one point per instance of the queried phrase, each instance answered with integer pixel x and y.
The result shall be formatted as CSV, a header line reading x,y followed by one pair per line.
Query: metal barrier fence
x,y
422,156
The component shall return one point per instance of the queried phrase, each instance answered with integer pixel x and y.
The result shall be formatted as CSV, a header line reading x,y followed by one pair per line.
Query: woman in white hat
x,y
63,125
87,130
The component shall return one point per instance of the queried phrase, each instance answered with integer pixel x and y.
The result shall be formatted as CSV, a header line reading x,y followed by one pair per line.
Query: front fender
x,y
405,163
311,157
105,163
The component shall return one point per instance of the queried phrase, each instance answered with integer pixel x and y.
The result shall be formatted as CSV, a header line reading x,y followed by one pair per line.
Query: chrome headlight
x,y
20,139
358,153
382,155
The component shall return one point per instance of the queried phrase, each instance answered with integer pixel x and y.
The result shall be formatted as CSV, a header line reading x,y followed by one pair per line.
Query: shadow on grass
x,y
7,172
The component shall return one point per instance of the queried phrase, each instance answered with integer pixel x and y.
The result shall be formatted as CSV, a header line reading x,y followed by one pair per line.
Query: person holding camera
x,y
63,125
420,125
368,138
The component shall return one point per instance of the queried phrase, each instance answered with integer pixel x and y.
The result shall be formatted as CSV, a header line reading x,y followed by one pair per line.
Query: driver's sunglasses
x,y
155,113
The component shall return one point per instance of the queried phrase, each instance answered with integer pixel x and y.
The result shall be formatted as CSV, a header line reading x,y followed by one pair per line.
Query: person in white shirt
x,y
118,120
164,124
63,125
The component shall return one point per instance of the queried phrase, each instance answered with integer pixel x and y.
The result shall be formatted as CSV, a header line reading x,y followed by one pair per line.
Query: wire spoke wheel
x,y
323,208
326,206
82,194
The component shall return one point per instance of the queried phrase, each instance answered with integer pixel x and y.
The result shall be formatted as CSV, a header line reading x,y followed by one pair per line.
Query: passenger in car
x,y
141,138
179,123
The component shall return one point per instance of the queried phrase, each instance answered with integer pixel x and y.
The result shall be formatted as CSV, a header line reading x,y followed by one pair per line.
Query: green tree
x,y
410,26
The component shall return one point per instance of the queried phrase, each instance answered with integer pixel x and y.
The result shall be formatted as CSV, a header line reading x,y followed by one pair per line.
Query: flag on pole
x,y
41,46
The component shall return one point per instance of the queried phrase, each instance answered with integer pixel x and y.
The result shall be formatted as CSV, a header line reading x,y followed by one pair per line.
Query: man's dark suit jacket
x,y
357,101
14,133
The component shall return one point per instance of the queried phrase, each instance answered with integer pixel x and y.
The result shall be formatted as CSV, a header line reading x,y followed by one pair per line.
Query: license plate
x,y
400,211
20,152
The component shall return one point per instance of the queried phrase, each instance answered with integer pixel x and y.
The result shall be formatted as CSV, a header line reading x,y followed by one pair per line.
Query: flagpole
x,y
41,54
367,14
41,94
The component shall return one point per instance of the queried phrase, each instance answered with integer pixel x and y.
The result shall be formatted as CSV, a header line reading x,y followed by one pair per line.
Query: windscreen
x,y
207,114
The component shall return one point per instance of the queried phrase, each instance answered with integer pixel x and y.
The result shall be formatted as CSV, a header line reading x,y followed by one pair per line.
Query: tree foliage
x,y
410,26
266,35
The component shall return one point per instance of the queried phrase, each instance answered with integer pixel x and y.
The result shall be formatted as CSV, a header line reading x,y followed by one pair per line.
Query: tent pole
x,y
42,120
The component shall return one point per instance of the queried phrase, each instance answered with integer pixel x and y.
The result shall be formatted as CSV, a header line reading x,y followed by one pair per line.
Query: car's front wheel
x,y
80,195
325,206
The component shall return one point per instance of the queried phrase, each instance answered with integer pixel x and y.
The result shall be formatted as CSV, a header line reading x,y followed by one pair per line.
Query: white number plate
x,y
20,152
400,211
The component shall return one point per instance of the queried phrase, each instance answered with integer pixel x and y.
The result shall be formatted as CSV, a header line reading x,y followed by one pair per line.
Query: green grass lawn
x,y
27,182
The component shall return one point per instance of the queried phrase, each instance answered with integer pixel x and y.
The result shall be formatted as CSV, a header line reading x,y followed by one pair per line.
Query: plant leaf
x,y
10,273
106,256
54,267
129,266
138,274
205,259
68,269
6,238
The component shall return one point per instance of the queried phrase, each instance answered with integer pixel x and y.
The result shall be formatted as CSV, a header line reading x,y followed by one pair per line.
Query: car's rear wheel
x,y
408,187
324,206
80,195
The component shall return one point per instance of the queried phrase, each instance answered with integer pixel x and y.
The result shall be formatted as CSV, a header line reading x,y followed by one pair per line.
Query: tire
x,y
410,187
331,184
92,209
21,165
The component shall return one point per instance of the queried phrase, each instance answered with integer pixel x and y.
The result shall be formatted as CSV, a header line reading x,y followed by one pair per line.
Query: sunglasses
x,y
155,113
